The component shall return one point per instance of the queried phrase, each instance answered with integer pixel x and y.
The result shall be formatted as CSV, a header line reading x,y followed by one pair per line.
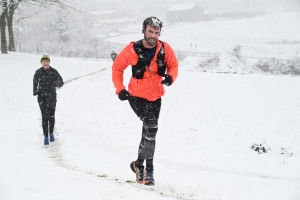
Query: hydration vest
x,y
139,69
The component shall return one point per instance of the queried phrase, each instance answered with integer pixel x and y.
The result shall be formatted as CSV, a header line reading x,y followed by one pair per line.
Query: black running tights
x,y
148,112
47,107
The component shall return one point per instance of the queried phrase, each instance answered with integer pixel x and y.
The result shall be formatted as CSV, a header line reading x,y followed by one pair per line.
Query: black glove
x,y
168,80
123,95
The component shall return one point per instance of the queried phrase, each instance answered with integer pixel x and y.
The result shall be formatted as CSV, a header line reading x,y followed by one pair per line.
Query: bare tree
x,y
13,5
3,26
9,8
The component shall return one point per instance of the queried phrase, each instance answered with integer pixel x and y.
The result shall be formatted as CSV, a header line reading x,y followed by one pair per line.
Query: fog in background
x,y
88,30
205,4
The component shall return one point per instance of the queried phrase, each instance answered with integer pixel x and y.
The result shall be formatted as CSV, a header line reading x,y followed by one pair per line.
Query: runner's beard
x,y
152,44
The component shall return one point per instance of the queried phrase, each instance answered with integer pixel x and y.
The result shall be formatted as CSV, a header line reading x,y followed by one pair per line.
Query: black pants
x,y
47,106
148,112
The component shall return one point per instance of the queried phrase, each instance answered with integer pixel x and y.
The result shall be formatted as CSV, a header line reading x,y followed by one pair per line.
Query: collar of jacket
x,y
158,46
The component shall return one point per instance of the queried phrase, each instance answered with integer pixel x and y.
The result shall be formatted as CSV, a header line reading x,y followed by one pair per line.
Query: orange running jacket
x,y
149,87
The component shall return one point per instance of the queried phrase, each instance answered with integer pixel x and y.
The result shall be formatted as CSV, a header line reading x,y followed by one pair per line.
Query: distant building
x,y
185,13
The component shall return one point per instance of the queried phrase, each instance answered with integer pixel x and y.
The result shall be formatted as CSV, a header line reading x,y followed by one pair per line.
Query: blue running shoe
x,y
46,141
52,137
149,176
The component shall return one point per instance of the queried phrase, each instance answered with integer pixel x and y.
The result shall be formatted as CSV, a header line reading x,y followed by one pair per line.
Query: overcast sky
x,y
205,4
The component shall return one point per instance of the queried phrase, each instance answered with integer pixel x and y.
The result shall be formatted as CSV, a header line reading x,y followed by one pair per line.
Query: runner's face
x,y
45,64
151,35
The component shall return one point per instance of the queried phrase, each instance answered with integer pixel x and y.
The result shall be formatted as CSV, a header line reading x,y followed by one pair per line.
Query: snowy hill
x,y
208,124
276,35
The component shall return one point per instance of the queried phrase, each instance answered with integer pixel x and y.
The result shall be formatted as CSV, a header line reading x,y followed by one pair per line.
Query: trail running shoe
x,y
149,176
46,141
139,172
52,137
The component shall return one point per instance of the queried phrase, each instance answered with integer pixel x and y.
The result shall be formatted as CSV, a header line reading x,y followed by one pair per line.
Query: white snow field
x,y
208,123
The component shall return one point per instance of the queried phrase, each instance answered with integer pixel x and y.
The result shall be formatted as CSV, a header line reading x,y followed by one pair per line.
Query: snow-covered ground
x,y
207,126
208,123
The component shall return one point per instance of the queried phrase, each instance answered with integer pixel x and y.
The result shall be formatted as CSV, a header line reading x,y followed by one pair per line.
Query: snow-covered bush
x,y
237,53
260,148
268,65
209,61
294,65
273,66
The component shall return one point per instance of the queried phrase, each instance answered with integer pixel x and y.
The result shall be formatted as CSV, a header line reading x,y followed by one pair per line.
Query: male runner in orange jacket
x,y
154,65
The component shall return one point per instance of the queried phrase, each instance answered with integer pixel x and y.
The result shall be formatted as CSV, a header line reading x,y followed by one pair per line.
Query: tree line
x,y
8,9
